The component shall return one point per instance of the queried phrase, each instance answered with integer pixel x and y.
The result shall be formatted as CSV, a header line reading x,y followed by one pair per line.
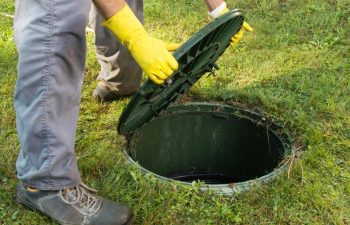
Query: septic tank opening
x,y
214,143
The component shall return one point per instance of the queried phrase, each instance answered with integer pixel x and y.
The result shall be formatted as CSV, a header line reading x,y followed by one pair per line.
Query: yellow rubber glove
x,y
235,39
172,47
245,27
150,53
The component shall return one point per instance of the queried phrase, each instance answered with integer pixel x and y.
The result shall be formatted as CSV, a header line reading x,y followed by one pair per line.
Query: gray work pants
x,y
118,68
50,38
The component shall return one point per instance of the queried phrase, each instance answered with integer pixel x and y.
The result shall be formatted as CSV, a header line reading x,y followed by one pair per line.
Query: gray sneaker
x,y
76,206
103,92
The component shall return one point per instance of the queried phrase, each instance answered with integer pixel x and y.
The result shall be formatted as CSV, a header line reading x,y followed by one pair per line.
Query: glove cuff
x,y
126,27
221,9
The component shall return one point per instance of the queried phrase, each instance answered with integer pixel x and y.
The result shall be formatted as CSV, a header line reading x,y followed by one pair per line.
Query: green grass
x,y
294,68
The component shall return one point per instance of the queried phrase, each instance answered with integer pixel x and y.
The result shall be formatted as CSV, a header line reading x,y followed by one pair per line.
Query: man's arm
x,y
213,4
108,8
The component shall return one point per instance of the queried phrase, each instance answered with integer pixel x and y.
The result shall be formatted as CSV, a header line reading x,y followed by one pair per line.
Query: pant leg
x,y
118,68
50,38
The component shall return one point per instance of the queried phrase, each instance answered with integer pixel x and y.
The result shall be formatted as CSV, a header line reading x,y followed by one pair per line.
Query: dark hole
x,y
213,147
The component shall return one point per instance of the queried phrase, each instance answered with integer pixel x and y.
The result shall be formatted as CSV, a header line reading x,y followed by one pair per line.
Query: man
x,y
120,75
50,38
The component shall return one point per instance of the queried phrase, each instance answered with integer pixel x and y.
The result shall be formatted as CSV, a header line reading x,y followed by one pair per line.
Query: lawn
x,y
294,68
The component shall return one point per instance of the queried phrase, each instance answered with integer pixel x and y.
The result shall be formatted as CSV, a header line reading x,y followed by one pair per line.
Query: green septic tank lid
x,y
195,57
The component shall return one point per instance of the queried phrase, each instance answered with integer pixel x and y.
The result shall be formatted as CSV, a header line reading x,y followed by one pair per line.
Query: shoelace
x,y
84,198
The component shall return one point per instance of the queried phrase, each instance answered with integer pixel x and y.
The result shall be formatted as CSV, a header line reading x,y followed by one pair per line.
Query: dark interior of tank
x,y
213,147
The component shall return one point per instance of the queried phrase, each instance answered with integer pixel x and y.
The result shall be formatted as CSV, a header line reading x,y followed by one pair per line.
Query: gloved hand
x,y
222,9
150,53
235,39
